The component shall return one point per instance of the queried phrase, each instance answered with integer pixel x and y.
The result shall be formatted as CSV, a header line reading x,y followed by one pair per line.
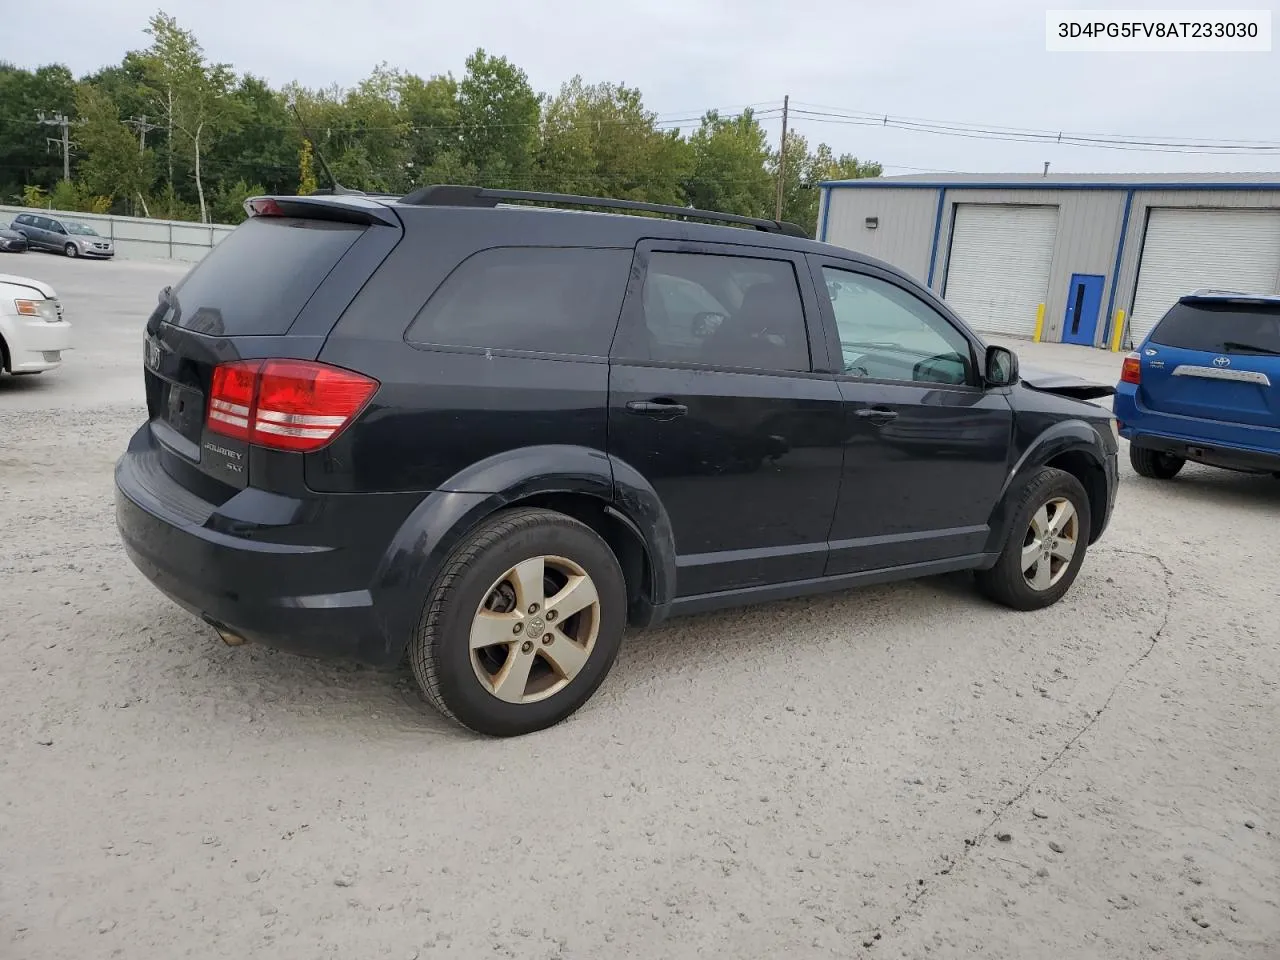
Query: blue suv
x,y
1205,386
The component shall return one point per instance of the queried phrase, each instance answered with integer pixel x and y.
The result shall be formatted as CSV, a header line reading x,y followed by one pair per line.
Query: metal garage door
x,y
998,271
1186,250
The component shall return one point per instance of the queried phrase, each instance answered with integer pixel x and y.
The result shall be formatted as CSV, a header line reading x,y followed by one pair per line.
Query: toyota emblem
x,y
1222,361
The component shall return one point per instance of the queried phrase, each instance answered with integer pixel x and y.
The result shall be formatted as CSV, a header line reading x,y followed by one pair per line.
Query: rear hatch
x,y
267,294
1215,358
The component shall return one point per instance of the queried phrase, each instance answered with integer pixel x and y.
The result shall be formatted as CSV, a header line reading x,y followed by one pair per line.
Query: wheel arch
x,y
1071,446
605,494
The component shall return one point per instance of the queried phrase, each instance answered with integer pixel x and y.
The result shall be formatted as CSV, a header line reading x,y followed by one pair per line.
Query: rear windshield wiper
x,y
1234,346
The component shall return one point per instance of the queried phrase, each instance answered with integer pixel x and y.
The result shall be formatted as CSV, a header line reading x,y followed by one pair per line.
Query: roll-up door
x,y
1189,249
998,270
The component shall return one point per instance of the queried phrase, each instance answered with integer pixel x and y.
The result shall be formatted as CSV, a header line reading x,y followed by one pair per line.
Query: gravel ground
x,y
900,771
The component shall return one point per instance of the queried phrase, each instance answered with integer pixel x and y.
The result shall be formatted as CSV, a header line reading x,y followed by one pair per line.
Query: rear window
x,y
1220,328
543,299
258,279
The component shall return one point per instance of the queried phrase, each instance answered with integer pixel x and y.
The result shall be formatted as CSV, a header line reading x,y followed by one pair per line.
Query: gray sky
x,y
972,61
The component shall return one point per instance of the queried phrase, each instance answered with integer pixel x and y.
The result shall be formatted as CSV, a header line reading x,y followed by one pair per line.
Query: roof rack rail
x,y
452,195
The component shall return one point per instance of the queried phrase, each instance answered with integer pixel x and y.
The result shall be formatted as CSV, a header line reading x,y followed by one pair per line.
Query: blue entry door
x,y
1084,299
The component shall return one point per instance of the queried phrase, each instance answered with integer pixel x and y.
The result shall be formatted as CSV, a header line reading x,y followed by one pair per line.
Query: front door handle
x,y
659,409
878,414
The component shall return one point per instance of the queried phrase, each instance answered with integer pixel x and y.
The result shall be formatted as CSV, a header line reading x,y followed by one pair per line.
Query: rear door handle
x,y
659,409
878,414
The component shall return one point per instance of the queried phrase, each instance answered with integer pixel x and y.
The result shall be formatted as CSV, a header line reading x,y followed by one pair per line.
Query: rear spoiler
x,y
343,208
1231,296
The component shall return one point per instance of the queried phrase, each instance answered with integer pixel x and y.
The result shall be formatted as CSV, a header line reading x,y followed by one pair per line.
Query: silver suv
x,y
69,237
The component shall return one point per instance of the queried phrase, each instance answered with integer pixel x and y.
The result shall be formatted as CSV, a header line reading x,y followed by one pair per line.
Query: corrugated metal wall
x,y
1144,200
904,234
1088,230
1089,226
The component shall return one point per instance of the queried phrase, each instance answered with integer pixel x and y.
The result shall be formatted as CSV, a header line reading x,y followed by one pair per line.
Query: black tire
x,y
1154,464
71,251
440,650
1006,583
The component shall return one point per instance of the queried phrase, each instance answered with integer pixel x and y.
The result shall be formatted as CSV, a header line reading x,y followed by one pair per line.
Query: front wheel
x,y
1048,537
522,625
1154,464
71,250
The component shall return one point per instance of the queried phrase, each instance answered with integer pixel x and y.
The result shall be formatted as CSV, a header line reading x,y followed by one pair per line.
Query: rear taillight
x,y
1131,372
294,405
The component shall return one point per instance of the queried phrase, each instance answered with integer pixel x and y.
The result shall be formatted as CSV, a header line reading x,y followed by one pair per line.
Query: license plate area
x,y
182,409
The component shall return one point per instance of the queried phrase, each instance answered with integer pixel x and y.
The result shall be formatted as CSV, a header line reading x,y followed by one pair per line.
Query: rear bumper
x,y
1231,446
1211,455
298,586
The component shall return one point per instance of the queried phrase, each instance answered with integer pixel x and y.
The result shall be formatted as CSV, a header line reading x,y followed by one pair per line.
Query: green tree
x,y
261,142
599,140
191,95
498,118
730,166
25,155
114,165
359,132
429,108
227,205
307,184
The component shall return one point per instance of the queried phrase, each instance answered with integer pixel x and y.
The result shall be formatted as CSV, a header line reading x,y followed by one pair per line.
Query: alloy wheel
x,y
535,629
1050,543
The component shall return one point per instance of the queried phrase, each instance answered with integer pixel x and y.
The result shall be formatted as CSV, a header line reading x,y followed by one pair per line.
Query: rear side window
x,y
258,279
1220,328
540,299
723,311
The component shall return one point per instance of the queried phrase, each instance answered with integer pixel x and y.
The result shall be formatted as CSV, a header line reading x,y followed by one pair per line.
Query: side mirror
x,y
1000,367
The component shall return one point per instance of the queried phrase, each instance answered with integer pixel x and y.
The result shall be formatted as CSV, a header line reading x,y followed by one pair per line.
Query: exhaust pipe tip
x,y
229,637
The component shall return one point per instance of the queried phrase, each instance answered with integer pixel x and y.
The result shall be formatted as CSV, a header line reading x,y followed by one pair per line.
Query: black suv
x,y
495,434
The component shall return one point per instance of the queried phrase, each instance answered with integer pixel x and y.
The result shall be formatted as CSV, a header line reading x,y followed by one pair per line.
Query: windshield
x,y
1221,328
79,229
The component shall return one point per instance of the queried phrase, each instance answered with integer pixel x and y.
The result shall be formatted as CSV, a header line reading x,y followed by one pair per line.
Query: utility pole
x,y
143,129
782,158
60,120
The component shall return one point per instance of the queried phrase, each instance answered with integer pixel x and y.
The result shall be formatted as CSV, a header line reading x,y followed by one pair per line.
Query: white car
x,y
33,334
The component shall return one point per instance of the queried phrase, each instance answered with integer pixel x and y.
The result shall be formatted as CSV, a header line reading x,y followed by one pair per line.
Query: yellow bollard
x,y
1039,323
1117,332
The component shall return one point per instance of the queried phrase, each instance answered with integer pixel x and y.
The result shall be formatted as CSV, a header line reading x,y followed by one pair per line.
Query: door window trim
x,y
633,317
976,347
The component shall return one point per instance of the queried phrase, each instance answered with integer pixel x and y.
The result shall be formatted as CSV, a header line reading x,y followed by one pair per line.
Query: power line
x,y
1199,146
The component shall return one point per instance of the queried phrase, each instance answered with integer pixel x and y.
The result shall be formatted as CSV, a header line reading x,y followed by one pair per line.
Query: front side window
x,y
887,333
723,311
80,229
540,299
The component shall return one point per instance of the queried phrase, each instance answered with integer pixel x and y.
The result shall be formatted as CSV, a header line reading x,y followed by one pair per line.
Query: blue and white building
x,y
1092,259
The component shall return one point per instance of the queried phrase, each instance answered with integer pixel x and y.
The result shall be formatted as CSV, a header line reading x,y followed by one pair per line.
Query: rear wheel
x,y
522,625
1154,463
1048,537
71,250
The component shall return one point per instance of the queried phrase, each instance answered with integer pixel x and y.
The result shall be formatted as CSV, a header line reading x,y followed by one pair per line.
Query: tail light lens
x,y
1131,372
293,405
